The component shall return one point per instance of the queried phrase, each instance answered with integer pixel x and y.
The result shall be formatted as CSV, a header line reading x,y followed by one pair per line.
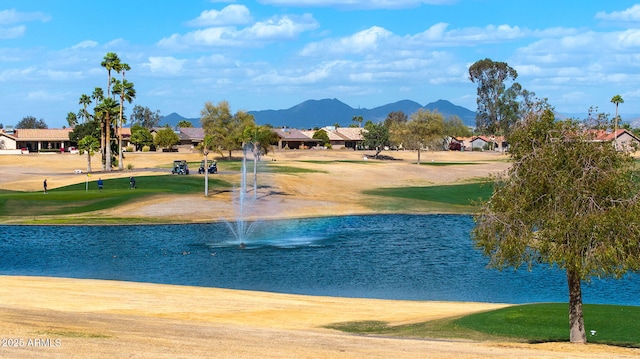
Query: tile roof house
x,y
479,143
7,141
347,137
126,136
292,138
191,136
622,138
35,140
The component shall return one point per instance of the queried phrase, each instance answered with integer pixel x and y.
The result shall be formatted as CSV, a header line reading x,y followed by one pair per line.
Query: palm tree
x,y
109,62
85,100
98,96
127,93
358,119
617,99
72,119
105,110
89,145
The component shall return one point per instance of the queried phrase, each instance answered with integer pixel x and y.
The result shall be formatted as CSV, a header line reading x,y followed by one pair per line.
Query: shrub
x,y
146,148
130,166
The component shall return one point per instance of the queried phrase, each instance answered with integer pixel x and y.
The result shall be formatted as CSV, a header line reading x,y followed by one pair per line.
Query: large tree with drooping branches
x,y
567,202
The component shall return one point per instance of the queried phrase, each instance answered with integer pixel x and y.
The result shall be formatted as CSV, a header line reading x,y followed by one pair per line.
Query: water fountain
x,y
241,227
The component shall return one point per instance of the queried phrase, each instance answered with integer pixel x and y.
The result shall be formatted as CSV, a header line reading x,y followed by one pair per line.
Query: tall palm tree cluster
x,y
108,111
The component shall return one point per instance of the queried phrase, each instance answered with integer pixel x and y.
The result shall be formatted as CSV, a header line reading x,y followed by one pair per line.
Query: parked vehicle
x,y
211,168
180,167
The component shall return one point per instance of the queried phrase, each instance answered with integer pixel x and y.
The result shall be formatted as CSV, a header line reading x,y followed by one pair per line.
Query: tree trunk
x,y
88,162
206,175
103,148
120,156
107,143
418,155
577,333
615,130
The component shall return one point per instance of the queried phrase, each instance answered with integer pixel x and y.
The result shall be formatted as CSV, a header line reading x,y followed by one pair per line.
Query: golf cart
x,y
211,168
180,167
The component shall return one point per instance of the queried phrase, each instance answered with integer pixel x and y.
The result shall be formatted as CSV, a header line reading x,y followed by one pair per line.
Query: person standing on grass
x,y
45,186
100,184
132,182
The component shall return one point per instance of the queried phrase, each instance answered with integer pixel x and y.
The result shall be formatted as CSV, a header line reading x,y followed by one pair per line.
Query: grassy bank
x,y
82,198
531,323
455,198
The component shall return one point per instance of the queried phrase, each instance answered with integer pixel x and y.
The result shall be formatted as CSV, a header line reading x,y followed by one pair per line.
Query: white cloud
x,y
629,39
56,75
12,32
360,42
86,44
41,95
357,4
230,15
282,27
630,14
437,35
12,16
274,29
16,74
165,65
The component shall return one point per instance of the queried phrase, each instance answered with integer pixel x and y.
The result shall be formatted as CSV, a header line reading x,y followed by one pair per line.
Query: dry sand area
x,y
73,318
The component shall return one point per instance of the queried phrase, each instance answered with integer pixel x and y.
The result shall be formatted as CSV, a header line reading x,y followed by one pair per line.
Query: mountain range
x,y
319,113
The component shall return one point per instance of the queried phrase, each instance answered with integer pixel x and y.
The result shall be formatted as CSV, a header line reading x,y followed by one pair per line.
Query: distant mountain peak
x,y
315,113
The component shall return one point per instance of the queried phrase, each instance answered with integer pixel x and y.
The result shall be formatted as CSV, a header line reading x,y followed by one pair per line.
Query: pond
x,y
414,257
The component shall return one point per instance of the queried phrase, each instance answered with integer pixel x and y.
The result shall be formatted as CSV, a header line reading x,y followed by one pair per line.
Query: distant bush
x,y
130,166
129,149
146,148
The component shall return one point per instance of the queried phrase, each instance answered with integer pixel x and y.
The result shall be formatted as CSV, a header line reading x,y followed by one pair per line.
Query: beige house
x,y
36,140
622,139
340,137
291,138
481,143
8,141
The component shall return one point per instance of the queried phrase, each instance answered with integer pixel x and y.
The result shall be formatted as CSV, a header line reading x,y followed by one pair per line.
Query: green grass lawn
x,y
76,199
325,162
530,323
265,167
455,198
442,164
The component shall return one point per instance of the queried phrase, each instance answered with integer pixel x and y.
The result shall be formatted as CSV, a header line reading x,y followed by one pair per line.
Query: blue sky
x,y
274,54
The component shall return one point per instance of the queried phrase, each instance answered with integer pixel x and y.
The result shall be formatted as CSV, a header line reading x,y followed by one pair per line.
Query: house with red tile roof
x,y
623,139
481,143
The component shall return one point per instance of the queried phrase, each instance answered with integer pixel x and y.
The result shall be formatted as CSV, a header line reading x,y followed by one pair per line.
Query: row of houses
x,y
38,140
624,140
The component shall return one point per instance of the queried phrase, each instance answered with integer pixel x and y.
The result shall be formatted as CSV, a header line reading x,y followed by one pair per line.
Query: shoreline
x,y
101,318
223,220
